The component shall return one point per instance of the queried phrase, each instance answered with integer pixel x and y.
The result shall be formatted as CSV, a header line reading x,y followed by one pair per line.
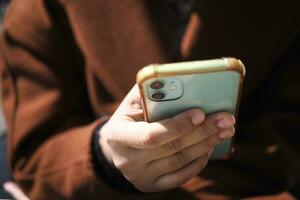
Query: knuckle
x,y
150,138
170,164
175,127
183,124
206,129
207,144
173,146
181,159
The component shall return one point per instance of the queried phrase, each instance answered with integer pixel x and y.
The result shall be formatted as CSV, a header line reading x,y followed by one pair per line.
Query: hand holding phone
x,y
211,85
161,155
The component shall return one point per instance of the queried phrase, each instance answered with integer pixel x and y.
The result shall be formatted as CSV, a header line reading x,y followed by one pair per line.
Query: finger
x,y
179,126
181,176
182,158
132,96
214,124
144,135
14,191
223,120
205,130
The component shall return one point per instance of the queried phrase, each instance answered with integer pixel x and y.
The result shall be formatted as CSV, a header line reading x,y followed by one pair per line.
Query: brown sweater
x,y
64,63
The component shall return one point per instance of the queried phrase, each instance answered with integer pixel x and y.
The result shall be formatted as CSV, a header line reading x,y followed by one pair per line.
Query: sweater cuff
x,y
109,173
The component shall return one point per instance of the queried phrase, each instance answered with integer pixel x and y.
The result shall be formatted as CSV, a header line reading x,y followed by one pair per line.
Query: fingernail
x,y
226,123
226,134
197,118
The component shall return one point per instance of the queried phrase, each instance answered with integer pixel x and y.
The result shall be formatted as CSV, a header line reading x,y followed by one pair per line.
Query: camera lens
x,y
158,96
157,85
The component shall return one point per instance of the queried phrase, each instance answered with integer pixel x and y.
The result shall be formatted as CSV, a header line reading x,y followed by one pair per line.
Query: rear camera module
x,y
164,89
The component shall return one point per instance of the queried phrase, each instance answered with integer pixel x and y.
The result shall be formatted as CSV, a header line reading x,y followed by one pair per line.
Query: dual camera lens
x,y
159,95
156,85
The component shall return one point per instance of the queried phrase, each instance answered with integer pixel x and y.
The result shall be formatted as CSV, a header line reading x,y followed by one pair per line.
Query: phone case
x,y
211,85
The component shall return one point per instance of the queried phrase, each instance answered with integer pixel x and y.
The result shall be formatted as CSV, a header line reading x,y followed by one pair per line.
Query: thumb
x,y
131,106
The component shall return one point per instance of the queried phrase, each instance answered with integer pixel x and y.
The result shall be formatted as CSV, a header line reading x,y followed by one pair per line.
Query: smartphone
x,y
211,85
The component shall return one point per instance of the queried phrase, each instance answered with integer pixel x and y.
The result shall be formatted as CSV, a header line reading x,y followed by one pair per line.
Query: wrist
x,y
104,165
104,146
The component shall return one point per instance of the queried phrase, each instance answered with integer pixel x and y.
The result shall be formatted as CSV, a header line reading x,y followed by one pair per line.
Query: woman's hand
x,y
161,155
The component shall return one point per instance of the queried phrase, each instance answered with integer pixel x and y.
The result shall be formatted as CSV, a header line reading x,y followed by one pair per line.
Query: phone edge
x,y
237,65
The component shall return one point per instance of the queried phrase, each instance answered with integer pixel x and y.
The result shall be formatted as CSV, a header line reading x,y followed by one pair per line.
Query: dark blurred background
x,y
4,173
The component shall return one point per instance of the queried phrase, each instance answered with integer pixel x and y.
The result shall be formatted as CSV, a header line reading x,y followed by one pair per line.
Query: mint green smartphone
x,y
211,85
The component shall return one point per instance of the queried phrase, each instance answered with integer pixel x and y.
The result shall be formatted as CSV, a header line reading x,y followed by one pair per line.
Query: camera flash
x,y
173,88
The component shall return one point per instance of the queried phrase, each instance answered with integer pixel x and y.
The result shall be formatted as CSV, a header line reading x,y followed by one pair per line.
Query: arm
x,y
52,111
51,116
